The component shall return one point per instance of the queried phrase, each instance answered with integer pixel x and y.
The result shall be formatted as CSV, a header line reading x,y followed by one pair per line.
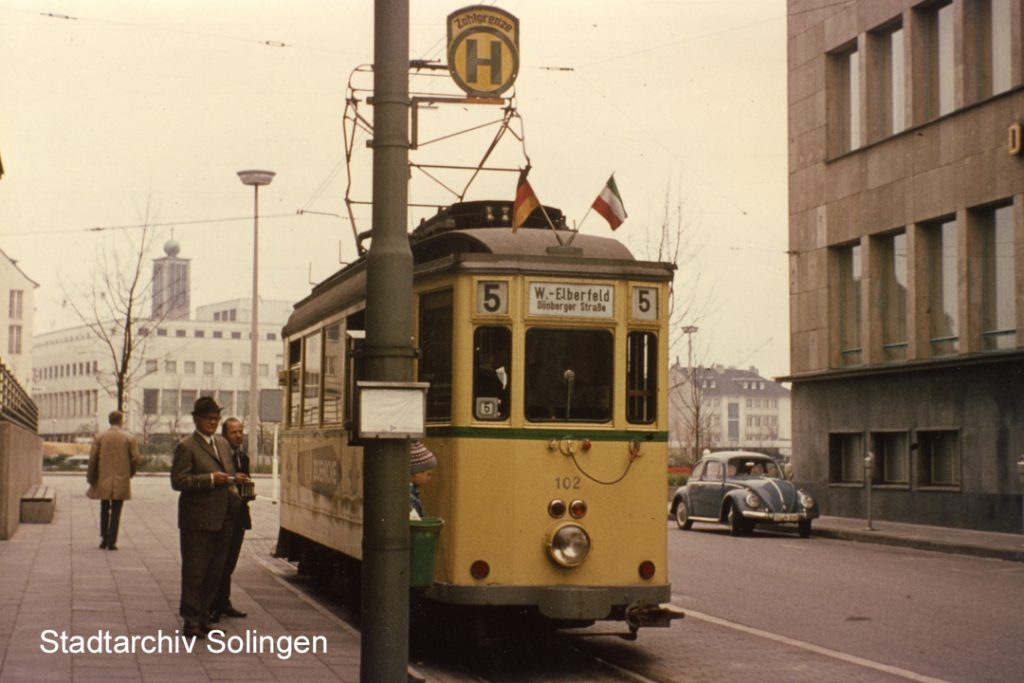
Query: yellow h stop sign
x,y
483,50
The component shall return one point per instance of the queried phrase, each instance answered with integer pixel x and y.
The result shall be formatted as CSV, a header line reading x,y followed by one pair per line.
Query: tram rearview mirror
x,y
392,410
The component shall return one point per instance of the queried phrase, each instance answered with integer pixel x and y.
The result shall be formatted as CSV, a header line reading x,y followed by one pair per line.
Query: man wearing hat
x,y
421,462
208,509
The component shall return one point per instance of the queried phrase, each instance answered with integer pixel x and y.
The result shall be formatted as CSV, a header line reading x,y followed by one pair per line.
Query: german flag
x,y
526,201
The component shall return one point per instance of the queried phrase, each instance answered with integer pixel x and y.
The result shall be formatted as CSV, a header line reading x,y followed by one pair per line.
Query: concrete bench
x,y
37,505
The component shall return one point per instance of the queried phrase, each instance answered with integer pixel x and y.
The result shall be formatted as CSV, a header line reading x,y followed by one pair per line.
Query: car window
x,y
712,471
698,471
754,467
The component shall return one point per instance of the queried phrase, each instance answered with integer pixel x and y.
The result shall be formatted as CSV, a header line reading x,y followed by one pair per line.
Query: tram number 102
x,y
567,483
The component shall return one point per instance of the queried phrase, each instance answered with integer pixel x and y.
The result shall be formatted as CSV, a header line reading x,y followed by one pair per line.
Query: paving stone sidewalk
x,y
56,579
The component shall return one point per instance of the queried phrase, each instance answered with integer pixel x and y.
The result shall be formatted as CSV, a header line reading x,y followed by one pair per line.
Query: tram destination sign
x,y
483,50
565,300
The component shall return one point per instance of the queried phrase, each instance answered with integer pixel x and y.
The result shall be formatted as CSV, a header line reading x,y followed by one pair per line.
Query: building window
x,y
893,279
888,98
845,68
208,367
151,367
846,458
217,334
849,306
169,402
150,401
937,24
188,400
14,310
236,335
943,311
200,333
938,458
226,399
1001,49
190,367
892,458
226,369
180,333
243,369
263,370
216,316
14,339
987,26
242,407
734,422
271,336
994,228
170,366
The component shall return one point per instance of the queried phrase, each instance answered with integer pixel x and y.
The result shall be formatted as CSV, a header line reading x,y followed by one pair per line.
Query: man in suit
x,y
234,433
208,509
113,459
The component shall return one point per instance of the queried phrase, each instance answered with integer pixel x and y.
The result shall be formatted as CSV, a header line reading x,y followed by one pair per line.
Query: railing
x,y
15,404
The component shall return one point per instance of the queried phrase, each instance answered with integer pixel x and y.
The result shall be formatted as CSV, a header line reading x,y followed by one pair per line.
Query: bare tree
x,y
112,307
673,239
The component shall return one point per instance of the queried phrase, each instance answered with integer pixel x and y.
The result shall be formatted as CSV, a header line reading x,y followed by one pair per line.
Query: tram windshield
x,y
569,375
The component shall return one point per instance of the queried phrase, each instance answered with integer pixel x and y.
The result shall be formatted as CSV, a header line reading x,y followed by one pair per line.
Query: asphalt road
x,y
893,613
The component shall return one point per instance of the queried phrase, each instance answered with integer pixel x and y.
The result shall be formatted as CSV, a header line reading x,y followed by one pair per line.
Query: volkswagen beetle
x,y
741,489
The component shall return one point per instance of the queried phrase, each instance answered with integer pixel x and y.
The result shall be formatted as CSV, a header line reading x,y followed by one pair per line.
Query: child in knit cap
x,y
421,462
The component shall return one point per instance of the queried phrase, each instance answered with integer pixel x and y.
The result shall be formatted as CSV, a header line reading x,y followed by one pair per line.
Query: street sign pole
x,y
389,357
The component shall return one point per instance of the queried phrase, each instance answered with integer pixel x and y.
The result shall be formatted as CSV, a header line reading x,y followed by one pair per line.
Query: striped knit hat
x,y
420,458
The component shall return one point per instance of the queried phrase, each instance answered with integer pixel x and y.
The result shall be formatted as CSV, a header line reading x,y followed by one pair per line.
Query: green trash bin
x,y
423,535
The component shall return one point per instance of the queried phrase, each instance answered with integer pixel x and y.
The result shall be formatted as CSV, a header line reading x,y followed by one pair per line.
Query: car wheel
x,y
683,515
737,525
805,528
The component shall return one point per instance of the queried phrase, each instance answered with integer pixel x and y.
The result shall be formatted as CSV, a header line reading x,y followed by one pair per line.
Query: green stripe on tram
x,y
545,434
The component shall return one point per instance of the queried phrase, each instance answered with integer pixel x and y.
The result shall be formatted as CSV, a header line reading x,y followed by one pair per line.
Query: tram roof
x,y
495,249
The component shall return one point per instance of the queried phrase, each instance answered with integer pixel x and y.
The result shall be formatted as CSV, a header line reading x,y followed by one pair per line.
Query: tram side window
x,y
311,379
294,386
492,366
355,370
569,375
332,374
435,327
641,377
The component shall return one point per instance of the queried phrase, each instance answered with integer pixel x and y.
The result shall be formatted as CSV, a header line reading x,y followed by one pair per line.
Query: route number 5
x,y
644,304
492,298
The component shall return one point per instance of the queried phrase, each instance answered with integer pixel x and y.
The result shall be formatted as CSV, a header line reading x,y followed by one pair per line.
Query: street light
x,y
254,178
689,331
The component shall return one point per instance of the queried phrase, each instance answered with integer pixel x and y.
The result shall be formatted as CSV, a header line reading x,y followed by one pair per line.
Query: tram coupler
x,y
641,614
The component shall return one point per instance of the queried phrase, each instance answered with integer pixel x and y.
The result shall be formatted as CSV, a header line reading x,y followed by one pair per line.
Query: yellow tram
x,y
547,410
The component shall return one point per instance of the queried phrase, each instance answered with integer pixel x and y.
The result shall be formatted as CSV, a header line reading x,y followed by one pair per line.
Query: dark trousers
x,y
203,554
223,599
110,520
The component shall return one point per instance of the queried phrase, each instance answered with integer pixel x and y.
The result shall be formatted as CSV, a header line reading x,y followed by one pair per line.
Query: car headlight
x,y
752,500
569,545
806,501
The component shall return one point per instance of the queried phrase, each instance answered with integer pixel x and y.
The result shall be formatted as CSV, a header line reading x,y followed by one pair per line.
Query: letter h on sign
x,y
473,61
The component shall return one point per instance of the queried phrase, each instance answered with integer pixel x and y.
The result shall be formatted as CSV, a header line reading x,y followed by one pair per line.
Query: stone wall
x,y
21,466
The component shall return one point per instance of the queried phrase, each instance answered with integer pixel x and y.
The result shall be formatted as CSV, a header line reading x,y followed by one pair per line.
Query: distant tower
x,y
171,284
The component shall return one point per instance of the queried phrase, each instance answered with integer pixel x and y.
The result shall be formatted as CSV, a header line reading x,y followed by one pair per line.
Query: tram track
x,y
562,658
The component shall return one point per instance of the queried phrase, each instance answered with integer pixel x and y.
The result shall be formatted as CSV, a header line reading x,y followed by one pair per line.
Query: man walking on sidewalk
x,y
113,459
208,509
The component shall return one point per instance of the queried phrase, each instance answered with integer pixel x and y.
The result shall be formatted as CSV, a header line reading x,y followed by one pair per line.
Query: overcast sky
x,y
112,108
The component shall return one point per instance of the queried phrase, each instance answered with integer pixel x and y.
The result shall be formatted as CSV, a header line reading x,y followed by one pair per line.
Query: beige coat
x,y
112,462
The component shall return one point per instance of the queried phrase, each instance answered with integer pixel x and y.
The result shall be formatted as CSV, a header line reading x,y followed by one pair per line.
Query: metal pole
x,y
253,351
389,357
869,466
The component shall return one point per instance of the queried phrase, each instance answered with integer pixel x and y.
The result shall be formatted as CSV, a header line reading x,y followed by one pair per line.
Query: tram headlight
x,y
568,545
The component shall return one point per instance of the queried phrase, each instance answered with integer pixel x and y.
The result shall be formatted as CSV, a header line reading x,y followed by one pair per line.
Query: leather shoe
x,y
103,545
197,632
111,547
232,612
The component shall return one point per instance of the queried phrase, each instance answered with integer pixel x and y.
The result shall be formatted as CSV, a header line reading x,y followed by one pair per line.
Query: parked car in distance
x,y
77,462
741,489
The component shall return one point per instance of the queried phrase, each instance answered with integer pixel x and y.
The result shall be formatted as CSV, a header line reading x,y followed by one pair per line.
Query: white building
x,y
16,290
718,407
179,360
